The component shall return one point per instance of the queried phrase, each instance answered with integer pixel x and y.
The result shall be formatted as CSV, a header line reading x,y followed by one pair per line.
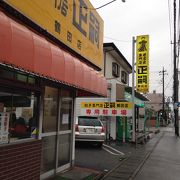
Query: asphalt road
x,y
101,159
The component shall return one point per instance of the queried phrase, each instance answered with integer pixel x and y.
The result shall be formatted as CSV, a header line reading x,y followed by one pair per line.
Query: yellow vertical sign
x,y
142,63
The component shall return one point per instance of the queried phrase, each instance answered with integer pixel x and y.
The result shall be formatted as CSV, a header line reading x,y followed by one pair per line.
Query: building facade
x,y
39,80
116,70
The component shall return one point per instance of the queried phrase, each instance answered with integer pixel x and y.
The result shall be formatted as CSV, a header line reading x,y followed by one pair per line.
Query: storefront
x,y
38,84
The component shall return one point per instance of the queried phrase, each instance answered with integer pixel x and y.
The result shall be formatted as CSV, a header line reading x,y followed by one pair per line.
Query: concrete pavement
x,y
164,161
159,159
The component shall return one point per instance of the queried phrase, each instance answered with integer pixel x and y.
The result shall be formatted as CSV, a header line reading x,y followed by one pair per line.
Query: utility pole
x,y
133,93
163,99
176,123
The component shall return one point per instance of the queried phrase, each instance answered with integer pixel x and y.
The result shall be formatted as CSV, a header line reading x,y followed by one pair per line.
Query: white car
x,y
89,129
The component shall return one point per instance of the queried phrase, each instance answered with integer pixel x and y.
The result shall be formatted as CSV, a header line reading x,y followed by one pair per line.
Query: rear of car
x,y
89,129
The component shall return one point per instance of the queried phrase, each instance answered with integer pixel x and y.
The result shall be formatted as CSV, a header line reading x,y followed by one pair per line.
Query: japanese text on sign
x,y
142,63
73,22
106,108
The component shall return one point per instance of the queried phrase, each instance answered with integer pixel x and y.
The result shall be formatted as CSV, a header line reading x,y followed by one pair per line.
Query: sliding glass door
x,y
56,130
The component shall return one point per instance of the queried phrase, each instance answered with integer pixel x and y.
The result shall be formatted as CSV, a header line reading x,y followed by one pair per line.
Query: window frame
x,y
115,69
124,77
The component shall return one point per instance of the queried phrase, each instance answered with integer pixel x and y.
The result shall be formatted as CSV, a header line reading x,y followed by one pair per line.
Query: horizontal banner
x,y
106,109
117,105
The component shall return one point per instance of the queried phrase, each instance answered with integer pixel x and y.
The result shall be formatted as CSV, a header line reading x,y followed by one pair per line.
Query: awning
x,y
22,48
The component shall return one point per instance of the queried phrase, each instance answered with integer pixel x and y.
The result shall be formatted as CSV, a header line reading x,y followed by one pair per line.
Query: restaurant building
x,y
50,53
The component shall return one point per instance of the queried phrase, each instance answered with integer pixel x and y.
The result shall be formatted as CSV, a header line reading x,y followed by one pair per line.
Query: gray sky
x,y
122,21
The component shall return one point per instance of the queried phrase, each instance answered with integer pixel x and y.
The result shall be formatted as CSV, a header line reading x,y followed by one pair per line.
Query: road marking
x,y
110,151
113,149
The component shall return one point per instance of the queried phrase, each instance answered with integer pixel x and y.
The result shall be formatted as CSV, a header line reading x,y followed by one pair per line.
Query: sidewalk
x,y
159,159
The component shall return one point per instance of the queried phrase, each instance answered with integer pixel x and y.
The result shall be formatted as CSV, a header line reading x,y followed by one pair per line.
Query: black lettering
x,y
58,4
62,6
57,26
94,29
69,37
142,69
82,16
79,44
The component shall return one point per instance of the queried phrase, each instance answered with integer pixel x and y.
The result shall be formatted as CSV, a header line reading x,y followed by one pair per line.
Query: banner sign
x,y
74,22
4,127
106,109
142,63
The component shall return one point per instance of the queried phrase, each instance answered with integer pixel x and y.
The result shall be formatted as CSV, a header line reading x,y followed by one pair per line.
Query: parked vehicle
x,y
89,129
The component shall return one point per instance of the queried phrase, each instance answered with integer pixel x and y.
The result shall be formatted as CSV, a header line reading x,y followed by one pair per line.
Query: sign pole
x,y
124,134
133,108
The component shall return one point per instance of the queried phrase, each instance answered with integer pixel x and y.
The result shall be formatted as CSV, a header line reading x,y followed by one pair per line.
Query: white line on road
x,y
110,151
114,149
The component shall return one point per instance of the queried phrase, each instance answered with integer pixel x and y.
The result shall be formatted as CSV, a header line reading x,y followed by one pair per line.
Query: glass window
x,y
124,77
50,110
48,153
64,149
115,69
31,80
19,117
66,110
6,74
10,74
89,121
21,77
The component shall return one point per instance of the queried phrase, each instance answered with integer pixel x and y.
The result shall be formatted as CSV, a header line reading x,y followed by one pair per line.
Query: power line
x,y
105,4
85,7
170,22
168,83
117,39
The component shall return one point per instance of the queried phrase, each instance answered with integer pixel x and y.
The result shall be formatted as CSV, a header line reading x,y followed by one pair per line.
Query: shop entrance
x,y
56,131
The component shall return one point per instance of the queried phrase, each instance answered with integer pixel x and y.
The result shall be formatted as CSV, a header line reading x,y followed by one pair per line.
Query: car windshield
x,y
89,121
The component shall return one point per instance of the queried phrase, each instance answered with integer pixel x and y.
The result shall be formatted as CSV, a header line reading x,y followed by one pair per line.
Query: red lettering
x,y
88,111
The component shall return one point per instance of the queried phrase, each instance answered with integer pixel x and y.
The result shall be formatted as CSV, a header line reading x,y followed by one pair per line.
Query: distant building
x,y
156,105
155,102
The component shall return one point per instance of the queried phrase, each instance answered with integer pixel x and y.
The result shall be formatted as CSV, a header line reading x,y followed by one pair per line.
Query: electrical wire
x,y
170,20
178,37
105,4
171,40
117,39
85,7
168,83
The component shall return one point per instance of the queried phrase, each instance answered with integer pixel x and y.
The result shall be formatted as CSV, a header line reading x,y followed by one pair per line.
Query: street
x,y
139,162
102,159
90,156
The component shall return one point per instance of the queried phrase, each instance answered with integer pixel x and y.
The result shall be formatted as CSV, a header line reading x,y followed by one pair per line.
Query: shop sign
x,y
4,127
74,22
106,109
142,63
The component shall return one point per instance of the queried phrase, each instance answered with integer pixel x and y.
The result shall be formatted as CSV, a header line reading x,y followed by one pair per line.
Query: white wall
x,y
113,81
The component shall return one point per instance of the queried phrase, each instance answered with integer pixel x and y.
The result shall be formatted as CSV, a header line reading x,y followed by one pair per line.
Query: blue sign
x,y
178,104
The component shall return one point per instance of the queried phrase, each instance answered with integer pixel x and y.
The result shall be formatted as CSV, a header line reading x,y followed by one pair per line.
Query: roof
x,y
137,95
112,49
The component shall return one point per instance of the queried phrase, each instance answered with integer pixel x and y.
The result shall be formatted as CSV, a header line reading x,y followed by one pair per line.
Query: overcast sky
x,y
122,21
